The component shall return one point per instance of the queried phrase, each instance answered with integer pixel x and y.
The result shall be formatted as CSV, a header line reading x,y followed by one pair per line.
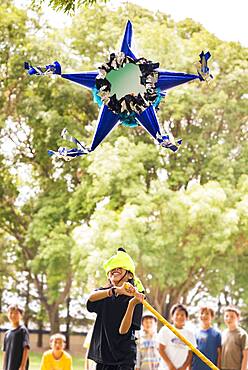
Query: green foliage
x,y
67,6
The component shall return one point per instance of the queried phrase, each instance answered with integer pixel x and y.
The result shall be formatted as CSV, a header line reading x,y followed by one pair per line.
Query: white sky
x,y
227,19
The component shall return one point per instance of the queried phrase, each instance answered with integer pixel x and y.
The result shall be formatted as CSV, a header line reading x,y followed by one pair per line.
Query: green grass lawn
x,y
35,360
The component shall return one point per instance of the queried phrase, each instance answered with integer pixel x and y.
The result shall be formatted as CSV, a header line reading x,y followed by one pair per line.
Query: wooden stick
x,y
179,335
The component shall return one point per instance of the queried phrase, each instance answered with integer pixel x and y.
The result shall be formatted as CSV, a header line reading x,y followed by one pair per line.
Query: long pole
x,y
177,333
180,336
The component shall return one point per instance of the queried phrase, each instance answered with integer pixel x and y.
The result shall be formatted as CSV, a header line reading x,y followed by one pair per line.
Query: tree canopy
x,y
67,6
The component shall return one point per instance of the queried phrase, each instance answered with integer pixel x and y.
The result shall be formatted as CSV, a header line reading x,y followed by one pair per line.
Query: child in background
x,y
16,342
147,351
56,358
175,354
119,314
234,342
208,341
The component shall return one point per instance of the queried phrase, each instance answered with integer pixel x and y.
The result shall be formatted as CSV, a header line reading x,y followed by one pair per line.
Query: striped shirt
x,y
147,352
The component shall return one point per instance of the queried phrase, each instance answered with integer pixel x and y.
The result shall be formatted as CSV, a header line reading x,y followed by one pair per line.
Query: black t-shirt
x,y
15,341
107,345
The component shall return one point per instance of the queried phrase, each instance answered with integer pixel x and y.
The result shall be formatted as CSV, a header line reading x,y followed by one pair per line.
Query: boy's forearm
x,y
128,317
3,360
165,357
188,360
245,359
24,358
219,358
100,294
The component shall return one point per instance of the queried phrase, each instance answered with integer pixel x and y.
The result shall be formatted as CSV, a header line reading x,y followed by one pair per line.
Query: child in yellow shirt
x,y
56,358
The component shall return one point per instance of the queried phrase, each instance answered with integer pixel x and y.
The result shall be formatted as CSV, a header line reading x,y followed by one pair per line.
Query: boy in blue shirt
x,y
208,341
16,342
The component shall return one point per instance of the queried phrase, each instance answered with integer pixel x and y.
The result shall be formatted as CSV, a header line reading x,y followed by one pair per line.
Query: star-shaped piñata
x,y
129,90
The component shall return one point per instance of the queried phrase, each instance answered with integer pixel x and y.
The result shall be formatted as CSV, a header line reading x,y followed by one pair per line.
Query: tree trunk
x,y
27,301
68,321
54,318
218,313
171,300
1,297
53,309
40,334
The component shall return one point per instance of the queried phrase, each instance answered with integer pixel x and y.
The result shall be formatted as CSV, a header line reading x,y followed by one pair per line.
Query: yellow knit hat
x,y
123,260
